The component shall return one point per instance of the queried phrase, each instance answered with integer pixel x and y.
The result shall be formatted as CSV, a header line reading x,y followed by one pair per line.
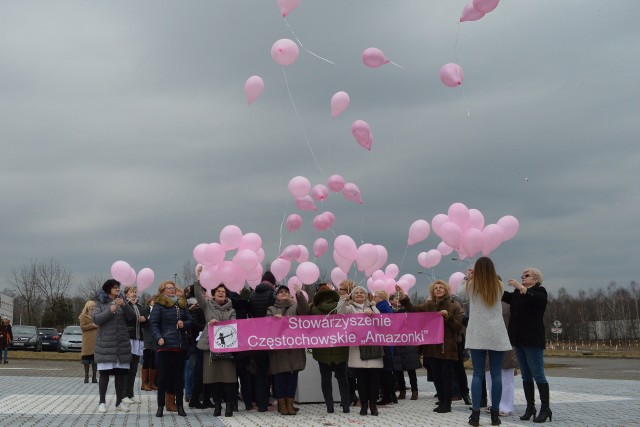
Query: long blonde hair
x,y
485,282
88,308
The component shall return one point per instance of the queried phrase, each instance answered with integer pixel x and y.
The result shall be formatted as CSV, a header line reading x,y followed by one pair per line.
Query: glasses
x,y
524,276
344,290
169,288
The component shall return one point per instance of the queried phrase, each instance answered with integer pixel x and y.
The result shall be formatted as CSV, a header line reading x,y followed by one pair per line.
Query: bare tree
x,y
24,280
188,275
91,287
53,279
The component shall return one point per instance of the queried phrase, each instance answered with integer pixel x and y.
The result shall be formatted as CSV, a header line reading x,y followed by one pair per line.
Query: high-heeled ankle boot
x,y
180,410
159,412
545,410
495,417
474,418
529,395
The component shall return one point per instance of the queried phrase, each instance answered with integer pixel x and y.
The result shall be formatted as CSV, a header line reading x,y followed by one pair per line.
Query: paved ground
x,y
48,393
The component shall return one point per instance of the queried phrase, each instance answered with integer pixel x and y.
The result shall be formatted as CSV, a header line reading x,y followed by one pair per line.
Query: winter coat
x,y
261,299
6,335
452,326
384,307
89,330
135,327
212,310
164,317
288,360
405,357
325,302
354,351
149,343
241,306
526,325
509,361
112,337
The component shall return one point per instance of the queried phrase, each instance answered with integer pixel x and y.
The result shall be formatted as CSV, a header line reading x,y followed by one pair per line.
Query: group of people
x,y
170,333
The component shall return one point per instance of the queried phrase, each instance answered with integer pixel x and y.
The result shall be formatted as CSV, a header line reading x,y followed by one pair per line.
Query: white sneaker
x,y
102,408
135,400
123,407
127,401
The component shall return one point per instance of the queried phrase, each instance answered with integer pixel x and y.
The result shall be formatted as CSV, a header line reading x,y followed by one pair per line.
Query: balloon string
x,y
466,102
361,223
284,215
397,65
405,254
300,43
304,132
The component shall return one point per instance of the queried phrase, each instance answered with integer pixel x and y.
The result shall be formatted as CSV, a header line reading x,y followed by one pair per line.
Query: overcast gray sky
x,y
126,135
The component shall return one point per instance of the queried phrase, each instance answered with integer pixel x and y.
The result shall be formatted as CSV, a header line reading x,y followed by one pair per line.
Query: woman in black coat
x,y
405,358
526,331
169,322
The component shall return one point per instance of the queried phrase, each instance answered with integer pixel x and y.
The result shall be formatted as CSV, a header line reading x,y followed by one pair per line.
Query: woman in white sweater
x,y
486,334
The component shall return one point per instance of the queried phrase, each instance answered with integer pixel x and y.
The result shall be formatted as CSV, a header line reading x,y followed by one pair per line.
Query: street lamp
x,y
175,278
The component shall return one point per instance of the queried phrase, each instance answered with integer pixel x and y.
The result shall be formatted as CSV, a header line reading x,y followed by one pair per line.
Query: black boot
x,y
443,408
230,397
218,411
364,406
374,408
228,410
530,396
474,418
330,409
86,374
159,412
180,408
545,411
466,398
495,417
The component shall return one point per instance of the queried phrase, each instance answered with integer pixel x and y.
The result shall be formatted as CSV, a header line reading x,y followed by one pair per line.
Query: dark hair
x,y
269,277
221,285
110,284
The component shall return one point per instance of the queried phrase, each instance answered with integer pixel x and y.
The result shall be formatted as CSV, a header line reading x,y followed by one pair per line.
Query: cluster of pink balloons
x,y
243,266
307,272
368,257
476,9
386,280
125,274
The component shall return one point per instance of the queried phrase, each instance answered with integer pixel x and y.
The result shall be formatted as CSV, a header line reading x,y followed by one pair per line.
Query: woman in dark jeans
x,y
169,321
526,331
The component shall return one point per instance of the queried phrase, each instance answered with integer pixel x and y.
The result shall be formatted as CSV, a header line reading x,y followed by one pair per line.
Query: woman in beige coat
x,y
88,340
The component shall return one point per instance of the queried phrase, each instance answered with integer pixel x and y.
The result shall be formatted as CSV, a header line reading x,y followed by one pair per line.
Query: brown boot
x,y
152,379
414,394
290,409
282,407
402,394
145,380
171,403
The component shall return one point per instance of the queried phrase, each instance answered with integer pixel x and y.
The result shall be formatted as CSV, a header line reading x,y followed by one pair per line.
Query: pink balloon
x,y
214,253
304,254
381,259
339,103
454,281
285,52
391,271
293,280
280,267
235,285
509,225
293,222
255,274
210,277
198,254
451,75
409,278
472,241
493,237
437,222
458,213
418,232
251,241
337,276
261,254
336,183
485,6
346,247
373,57
253,87
246,259
475,220
322,222
444,249
320,246
362,133
451,233
306,204
469,13
305,295
352,192
299,186
230,237
228,271
319,192
130,279
308,272
287,6
290,253
145,279
429,259
342,262
120,270
367,256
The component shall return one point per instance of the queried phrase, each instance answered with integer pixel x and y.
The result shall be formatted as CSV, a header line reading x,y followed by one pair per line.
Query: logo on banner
x,y
226,336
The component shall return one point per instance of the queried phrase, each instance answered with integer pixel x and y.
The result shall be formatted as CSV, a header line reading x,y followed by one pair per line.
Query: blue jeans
x,y
5,352
189,372
531,363
285,384
478,359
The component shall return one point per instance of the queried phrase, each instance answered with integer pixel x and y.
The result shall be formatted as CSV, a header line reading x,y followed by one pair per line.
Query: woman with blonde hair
x,y
486,334
88,341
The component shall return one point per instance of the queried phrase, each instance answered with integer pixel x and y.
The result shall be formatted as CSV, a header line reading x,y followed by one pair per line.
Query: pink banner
x,y
344,330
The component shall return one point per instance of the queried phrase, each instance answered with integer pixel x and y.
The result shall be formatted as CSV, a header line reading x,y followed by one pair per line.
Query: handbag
x,y
369,352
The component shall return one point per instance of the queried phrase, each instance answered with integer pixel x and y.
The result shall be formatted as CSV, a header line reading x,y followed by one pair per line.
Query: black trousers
x,y
326,383
368,384
170,372
413,380
442,371
130,378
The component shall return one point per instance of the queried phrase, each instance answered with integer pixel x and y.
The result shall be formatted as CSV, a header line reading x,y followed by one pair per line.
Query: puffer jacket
x,y
112,337
354,352
326,302
288,360
212,310
135,327
384,307
405,357
261,299
164,317
452,327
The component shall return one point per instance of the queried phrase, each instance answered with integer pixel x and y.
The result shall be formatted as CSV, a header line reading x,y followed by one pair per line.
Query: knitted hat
x,y
269,277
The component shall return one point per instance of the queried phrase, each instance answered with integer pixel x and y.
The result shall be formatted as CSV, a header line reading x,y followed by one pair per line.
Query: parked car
x,y
26,338
50,338
71,339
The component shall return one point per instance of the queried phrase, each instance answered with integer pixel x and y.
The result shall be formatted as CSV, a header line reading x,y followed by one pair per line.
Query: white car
x,y
71,339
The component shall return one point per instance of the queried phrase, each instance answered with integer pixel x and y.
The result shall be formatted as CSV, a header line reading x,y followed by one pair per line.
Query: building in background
x,y
6,306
